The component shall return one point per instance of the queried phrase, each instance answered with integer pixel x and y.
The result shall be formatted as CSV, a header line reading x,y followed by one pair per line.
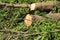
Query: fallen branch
x,y
6,37
34,34
14,5
9,31
25,34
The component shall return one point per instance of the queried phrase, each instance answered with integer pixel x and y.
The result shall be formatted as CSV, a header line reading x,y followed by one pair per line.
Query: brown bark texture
x,y
44,5
30,19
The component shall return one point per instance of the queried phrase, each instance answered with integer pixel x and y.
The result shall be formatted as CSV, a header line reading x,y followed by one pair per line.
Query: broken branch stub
x,y
43,5
30,19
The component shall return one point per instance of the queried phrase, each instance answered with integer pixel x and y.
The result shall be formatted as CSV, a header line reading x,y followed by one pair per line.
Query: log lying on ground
x,y
34,6
14,5
43,5
58,6
30,19
54,16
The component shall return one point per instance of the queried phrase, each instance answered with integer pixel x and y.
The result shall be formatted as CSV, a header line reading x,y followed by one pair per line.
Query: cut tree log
x,y
34,6
43,5
30,19
54,16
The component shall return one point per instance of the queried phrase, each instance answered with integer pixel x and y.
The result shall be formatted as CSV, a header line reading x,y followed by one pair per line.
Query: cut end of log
x,y
28,20
32,7
43,5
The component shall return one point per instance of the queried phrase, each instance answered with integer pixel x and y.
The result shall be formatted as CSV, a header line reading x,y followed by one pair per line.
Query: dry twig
x,y
8,36
14,5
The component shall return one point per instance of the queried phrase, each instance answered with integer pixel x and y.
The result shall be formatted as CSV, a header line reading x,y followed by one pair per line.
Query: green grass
x,y
7,21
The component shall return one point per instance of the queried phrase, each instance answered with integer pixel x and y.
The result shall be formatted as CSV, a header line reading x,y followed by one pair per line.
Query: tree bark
x,y
43,5
30,19
34,6
54,16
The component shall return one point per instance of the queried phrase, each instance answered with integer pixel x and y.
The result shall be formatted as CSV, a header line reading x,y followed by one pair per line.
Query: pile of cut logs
x,y
29,18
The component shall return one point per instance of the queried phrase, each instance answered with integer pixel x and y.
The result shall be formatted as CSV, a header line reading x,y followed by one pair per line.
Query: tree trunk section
x,y
43,5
